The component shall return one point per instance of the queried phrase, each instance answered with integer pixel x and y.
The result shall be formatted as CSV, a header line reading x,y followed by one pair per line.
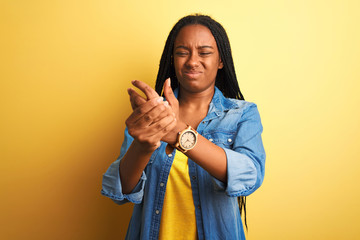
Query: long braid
x,y
226,79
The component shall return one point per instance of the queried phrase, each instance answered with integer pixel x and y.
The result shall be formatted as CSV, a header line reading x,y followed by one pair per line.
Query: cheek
x,y
213,65
177,65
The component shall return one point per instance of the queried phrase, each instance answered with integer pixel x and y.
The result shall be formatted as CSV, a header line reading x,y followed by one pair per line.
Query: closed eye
x,y
181,53
205,53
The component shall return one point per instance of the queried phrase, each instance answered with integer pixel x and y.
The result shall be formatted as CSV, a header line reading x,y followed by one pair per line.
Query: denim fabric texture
x,y
232,124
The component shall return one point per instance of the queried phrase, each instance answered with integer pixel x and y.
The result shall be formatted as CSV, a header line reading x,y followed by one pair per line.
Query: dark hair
x,y
225,79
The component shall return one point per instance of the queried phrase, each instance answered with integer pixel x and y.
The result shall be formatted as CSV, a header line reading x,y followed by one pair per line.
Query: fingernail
x,y
133,81
160,99
169,82
166,103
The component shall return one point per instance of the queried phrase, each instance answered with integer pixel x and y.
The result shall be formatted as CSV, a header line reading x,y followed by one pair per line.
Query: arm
x,y
239,170
147,125
124,181
246,158
111,184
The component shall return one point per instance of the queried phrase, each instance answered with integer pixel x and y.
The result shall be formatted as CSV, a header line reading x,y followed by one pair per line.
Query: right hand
x,y
137,100
151,120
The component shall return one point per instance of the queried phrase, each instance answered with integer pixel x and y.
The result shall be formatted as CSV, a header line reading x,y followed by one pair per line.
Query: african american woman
x,y
192,147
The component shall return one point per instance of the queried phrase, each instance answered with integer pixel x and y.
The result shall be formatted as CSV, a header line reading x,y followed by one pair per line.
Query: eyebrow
x,y
201,47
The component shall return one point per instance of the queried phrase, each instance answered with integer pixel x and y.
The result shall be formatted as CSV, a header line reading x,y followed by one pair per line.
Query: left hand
x,y
137,100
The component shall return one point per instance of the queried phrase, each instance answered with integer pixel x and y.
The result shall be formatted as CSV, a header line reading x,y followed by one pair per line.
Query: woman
x,y
185,182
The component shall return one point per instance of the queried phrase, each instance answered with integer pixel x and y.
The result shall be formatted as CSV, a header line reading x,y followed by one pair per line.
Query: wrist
x,y
145,148
186,139
179,127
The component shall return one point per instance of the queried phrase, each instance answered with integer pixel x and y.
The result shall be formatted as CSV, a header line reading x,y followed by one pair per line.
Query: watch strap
x,y
178,144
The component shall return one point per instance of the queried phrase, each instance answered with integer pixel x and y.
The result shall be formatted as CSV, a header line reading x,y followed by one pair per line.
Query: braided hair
x,y
226,80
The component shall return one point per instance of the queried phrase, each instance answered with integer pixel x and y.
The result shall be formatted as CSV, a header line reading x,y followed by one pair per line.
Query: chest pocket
x,y
221,138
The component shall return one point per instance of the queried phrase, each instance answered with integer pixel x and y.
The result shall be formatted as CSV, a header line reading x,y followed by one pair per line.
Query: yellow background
x,y
64,69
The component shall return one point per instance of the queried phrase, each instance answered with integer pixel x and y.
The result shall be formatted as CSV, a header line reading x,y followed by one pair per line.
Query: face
x,y
196,59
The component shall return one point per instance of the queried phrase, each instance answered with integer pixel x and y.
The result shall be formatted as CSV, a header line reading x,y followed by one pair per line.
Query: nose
x,y
192,61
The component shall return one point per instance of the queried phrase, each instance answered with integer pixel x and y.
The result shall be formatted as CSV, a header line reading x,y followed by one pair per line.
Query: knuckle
x,y
137,101
162,108
147,118
159,126
131,131
153,102
140,110
169,111
147,88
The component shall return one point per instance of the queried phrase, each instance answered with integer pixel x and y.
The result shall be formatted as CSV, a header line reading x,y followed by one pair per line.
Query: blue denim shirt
x,y
235,126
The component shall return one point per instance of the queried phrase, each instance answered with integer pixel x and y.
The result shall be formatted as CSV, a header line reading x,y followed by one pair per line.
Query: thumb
x,y
135,99
169,94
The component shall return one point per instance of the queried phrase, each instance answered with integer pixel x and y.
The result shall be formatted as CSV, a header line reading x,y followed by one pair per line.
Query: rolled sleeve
x,y
111,184
246,158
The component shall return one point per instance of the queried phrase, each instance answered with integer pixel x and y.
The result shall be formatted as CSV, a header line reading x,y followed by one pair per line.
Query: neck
x,y
193,107
199,100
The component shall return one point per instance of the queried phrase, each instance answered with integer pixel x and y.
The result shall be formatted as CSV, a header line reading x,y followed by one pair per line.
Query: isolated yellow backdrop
x,y
65,67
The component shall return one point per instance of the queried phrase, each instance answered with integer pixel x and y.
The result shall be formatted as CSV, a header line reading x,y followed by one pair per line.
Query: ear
x,y
221,64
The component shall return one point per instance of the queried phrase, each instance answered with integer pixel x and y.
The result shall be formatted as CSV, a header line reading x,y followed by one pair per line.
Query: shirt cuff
x,y
111,186
241,175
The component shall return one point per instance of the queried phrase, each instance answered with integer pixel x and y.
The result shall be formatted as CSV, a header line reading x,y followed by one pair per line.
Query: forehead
x,y
195,35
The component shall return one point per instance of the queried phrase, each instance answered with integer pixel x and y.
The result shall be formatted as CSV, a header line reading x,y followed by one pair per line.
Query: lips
x,y
192,74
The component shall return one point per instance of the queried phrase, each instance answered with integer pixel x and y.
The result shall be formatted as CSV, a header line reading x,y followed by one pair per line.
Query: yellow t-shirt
x,y
178,213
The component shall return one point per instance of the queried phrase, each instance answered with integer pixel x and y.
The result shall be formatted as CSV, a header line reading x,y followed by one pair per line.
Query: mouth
x,y
192,74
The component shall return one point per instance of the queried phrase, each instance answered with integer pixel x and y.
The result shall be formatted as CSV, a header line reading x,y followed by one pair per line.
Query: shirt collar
x,y
218,104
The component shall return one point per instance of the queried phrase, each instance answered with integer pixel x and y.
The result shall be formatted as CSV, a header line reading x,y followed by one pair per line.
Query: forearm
x,y
132,166
210,157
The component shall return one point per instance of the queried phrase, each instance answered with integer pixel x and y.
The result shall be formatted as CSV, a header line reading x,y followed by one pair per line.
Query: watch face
x,y
188,140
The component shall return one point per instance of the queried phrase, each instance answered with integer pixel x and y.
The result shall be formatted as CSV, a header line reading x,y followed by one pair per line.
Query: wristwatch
x,y
186,139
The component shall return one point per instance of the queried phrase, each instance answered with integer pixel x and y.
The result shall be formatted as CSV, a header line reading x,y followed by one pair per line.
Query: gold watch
x,y
186,139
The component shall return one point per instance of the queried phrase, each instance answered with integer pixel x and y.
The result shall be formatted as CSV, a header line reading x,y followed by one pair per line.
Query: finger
x,y
169,94
141,110
146,89
154,133
167,112
162,127
163,134
153,115
135,99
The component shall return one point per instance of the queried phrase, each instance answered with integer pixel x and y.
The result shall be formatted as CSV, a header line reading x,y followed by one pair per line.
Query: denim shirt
x,y
233,125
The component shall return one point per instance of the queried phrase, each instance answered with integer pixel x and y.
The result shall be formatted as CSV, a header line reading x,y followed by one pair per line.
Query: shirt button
x,y
198,207
211,140
193,177
157,211
170,155
162,184
229,140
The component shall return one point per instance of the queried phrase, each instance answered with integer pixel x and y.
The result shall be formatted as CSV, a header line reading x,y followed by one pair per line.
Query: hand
x,y
151,120
137,101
